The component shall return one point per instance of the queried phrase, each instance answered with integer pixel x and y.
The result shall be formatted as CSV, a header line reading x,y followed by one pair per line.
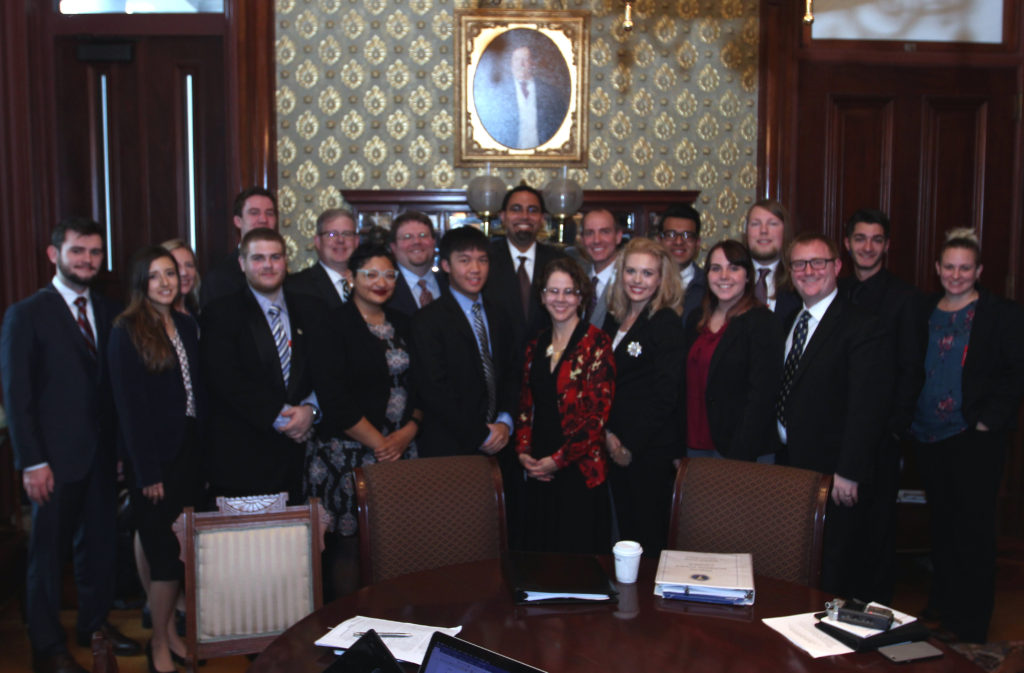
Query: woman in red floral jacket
x,y
568,384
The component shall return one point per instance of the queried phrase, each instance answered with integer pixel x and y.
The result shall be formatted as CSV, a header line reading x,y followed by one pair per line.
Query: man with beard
x,y
335,241
61,418
516,261
893,301
768,231
600,236
254,208
680,232
412,242
256,353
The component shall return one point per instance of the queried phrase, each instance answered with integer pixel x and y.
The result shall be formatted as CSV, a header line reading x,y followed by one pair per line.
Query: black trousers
x,y
961,477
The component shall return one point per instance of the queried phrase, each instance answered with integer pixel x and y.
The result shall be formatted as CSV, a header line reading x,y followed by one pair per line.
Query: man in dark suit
x,y
600,236
768,232
464,374
516,265
335,241
679,230
254,208
61,418
895,303
833,404
412,242
255,349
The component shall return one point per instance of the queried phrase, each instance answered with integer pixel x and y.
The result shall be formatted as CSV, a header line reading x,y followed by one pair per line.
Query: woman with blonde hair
x,y
188,274
973,374
643,431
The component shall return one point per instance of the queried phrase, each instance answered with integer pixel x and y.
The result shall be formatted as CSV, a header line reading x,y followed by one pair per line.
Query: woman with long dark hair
x,y
153,361
734,362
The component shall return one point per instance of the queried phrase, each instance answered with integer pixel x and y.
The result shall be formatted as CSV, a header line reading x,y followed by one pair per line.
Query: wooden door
x,y
931,146
141,139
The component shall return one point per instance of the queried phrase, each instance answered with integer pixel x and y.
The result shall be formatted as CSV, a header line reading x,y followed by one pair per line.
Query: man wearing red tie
x,y
60,412
412,242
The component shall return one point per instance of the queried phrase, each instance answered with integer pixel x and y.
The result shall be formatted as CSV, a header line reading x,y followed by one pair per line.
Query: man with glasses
x,y
412,242
335,241
680,232
833,404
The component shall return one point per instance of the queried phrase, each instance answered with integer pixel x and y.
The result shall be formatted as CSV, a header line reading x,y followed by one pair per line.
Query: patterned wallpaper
x,y
365,100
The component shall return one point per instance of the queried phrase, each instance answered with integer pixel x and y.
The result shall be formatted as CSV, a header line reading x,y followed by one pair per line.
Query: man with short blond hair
x,y
600,236
329,278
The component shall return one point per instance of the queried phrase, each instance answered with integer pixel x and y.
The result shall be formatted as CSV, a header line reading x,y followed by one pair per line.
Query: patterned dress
x,y
331,464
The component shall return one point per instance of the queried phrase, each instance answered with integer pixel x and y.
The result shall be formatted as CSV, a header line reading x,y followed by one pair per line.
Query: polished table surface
x,y
642,633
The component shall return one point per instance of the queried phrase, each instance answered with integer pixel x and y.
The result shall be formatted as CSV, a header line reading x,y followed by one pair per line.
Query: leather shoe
x,y
122,644
56,663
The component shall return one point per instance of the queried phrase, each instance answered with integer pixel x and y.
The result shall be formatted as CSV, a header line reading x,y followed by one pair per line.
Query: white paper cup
x,y
627,560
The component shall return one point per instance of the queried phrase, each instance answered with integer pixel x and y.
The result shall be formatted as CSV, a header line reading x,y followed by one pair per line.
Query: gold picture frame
x,y
520,83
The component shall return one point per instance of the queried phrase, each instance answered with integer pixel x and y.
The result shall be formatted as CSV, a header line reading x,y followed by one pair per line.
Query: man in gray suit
x,y
600,236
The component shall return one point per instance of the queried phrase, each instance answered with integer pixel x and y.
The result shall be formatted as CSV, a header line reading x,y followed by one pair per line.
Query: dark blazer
x,y
151,407
57,394
841,393
743,380
449,377
649,382
404,301
897,305
224,277
787,305
694,293
315,282
247,391
993,378
502,291
352,378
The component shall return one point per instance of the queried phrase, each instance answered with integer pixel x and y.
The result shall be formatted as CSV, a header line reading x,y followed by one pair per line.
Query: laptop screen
x,y
446,654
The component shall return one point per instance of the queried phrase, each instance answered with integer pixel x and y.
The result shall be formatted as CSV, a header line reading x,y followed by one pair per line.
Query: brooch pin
x,y
550,350
634,349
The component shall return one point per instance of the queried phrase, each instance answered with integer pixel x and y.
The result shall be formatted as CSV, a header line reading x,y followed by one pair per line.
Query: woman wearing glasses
x,y
973,380
644,433
363,388
734,362
564,401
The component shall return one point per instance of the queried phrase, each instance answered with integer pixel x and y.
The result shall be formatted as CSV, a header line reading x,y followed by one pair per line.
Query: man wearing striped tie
x,y
61,418
256,355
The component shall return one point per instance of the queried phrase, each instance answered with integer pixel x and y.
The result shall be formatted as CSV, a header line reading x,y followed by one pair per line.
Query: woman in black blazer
x,y
363,388
734,363
973,379
153,361
643,430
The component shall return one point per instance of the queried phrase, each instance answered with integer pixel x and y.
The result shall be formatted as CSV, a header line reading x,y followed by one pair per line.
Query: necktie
x,y
485,359
593,297
792,360
526,89
425,296
761,287
82,318
524,286
343,289
284,348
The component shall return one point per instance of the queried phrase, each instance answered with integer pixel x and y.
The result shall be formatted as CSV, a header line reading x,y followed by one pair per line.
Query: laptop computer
x,y
446,654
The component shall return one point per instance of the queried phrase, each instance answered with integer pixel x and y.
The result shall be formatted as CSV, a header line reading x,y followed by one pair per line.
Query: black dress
x,y
562,515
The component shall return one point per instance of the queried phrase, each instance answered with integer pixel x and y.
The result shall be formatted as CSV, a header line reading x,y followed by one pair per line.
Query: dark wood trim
x,y
776,100
252,107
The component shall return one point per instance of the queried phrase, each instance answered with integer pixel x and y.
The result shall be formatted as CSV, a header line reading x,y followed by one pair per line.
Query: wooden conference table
x,y
643,633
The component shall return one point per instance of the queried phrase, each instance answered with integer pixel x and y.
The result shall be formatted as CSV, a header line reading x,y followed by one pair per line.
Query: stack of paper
x,y
706,578
407,642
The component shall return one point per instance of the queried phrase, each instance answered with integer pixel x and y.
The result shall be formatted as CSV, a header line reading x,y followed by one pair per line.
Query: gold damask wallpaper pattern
x,y
365,100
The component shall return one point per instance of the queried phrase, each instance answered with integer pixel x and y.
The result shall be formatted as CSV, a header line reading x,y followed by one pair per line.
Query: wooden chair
x,y
103,659
252,569
429,512
774,512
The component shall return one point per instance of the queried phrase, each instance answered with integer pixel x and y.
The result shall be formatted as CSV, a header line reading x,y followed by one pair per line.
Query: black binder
x,y
557,573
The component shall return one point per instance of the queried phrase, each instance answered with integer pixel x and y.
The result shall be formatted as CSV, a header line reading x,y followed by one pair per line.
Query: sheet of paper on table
x,y
411,648
800,630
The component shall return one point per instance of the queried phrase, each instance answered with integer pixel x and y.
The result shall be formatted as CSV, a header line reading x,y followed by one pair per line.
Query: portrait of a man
x,y
521,89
